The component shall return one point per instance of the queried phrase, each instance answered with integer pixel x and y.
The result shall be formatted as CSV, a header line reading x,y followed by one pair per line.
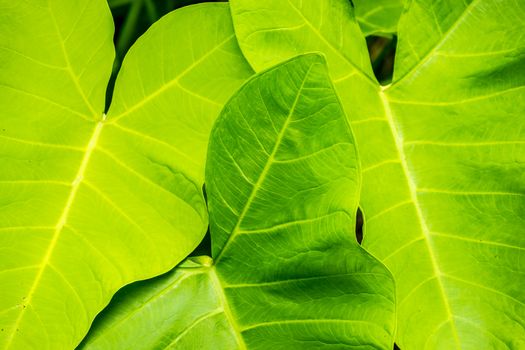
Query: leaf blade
x,y
90,207
39,52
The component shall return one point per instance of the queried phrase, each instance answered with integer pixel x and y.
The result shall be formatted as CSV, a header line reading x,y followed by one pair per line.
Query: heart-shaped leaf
x,y
283,183
89,203
443,155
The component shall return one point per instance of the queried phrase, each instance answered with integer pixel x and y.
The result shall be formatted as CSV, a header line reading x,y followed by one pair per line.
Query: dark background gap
x,y
382,51
359,226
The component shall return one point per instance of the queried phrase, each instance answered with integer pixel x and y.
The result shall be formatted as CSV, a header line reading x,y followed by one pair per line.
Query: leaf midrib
x,y
213,273
219,289
398,141
91,146
402,157
265,170
75,185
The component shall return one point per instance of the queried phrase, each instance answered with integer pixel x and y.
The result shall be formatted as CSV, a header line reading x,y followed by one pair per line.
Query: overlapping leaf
x,y
283,183
443,154
90,203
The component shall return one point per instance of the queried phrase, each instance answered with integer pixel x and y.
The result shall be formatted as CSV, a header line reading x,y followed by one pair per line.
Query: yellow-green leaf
x,y
89,203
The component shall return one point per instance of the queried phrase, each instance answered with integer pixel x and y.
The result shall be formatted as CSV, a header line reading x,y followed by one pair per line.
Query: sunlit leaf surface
x,y
89,203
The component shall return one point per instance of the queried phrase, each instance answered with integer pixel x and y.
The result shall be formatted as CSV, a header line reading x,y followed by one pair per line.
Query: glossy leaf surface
x,y
287,271
89,203
443,157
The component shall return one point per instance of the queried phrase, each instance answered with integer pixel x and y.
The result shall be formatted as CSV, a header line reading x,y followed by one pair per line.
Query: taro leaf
x,y
89,203
287,272
443,153
378,17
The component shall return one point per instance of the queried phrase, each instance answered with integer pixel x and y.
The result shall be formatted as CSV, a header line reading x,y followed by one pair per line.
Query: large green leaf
x,y
282,182
89,203
443,153
378,17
